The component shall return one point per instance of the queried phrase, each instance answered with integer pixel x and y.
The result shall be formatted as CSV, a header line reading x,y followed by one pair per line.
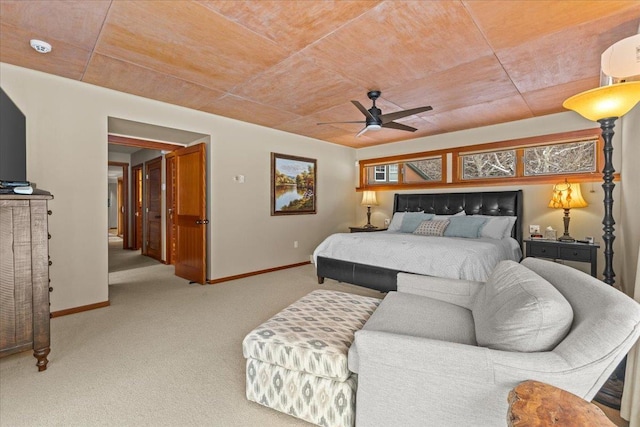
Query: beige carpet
x,y
165,353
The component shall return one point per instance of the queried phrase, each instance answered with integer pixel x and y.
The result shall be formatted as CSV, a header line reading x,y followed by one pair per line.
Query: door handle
x,y
202,221
158,216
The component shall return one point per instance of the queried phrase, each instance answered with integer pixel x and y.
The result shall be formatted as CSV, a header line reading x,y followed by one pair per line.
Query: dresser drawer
x,y
543,251
575,254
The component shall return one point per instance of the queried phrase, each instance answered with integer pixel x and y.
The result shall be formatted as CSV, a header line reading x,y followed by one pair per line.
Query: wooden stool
x,y
536,404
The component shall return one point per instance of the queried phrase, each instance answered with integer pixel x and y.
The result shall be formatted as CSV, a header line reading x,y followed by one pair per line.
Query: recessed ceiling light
x,y
40,46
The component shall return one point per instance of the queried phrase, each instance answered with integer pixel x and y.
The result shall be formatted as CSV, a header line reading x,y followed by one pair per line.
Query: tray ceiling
x,y
290,64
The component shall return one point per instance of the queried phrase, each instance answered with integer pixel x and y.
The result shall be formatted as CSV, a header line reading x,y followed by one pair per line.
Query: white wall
x,y
584,222
67,155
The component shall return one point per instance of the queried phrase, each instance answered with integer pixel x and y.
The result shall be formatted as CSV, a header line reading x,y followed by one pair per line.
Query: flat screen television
x,y
13,141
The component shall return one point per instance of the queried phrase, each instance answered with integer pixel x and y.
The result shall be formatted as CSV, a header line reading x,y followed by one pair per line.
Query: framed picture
x,y
293,185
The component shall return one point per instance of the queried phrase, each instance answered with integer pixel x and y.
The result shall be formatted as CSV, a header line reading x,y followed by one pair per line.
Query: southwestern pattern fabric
x,y
314,399
313,334
297,360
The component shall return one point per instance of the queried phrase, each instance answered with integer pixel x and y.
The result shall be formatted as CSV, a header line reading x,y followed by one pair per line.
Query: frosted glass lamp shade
x,y
603,102
369,198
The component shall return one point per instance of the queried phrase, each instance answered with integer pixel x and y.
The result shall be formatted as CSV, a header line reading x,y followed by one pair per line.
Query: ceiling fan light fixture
x,y
374,126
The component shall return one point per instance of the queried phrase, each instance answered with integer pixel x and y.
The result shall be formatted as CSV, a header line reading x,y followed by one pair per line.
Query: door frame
x,y
125,197
170,197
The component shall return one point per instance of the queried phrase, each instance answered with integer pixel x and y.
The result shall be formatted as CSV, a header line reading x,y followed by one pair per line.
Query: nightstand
x,y
582,252
366,230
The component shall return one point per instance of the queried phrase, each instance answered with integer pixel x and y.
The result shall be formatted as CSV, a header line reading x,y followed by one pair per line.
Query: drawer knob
x,y
49,236
49,212
543,250
575,253
50,288
50,262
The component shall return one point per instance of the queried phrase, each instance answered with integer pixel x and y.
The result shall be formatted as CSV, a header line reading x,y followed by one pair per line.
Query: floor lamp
x,y
605,105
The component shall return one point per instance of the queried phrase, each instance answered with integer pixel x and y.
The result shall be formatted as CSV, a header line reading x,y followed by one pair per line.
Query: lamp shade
x,y
606,101
567,196
369,198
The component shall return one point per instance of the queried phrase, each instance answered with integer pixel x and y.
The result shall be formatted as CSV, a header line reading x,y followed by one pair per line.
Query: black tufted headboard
x,y
498,203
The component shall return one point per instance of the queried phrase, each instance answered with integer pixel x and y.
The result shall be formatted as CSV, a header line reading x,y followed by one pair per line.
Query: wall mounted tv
x,y
13,141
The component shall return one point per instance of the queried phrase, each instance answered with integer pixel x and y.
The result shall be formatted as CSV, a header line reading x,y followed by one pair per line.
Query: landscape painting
x,y
293,185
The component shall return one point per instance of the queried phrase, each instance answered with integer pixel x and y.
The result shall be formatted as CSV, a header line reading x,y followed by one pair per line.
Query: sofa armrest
x,y
412,381
455,291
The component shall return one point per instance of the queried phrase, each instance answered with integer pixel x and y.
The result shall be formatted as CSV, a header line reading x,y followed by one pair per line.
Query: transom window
x,y
529,160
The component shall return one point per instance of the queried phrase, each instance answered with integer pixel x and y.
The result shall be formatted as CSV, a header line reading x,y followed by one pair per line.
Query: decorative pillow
x,y
517,310
411,221
396,222
464,226
432,227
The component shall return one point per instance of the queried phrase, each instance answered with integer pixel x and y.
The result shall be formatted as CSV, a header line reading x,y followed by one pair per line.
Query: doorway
x,y
168,213
153,209
136,172
120,200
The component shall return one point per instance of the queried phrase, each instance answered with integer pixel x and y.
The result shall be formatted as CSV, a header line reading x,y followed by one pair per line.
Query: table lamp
x,y
566,196
368,200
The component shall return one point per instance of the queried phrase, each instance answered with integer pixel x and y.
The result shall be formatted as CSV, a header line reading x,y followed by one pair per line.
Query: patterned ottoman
x,y
297,360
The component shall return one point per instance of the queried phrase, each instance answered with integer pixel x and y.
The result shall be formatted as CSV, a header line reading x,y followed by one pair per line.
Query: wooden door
x,y
120,208
153,219
137,206
170,173
190,213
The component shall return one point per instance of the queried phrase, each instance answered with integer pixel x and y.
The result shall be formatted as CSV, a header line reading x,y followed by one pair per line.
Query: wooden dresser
x,y
24,275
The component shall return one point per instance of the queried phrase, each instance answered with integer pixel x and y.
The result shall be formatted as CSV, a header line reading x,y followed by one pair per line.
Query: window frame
x,y
452,163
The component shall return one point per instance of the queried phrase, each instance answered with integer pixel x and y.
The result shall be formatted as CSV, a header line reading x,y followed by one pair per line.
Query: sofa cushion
x,y
313,334
517,310
419,316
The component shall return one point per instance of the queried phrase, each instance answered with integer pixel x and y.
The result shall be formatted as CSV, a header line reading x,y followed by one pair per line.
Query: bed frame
x,y
497,203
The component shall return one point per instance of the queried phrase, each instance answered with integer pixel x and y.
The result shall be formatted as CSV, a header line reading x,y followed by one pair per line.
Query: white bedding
x,y
457,258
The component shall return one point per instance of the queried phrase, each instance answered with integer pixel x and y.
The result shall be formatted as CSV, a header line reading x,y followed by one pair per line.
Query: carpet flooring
x,y
164,353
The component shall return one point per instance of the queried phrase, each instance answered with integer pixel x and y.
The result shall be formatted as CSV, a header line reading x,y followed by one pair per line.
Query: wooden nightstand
x,y
365,230
582,252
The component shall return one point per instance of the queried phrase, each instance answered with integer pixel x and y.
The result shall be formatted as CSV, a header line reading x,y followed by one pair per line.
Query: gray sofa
x,y
443,352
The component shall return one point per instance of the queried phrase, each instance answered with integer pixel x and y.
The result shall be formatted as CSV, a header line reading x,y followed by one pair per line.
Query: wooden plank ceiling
x,y
290,64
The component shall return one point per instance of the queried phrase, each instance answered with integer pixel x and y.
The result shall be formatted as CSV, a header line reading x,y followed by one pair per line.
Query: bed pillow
x,y
517,310
434,227
461,213
411,221
496,227
464,226
396,222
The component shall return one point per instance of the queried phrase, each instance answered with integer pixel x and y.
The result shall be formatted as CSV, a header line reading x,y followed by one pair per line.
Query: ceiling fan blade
x,y
386,118
364,129
362,109
331,123
399,126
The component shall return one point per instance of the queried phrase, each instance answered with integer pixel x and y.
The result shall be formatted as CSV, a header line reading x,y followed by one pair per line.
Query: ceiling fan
x,y
374,120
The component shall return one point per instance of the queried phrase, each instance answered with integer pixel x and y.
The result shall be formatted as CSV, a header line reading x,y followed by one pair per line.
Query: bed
x,y
374,259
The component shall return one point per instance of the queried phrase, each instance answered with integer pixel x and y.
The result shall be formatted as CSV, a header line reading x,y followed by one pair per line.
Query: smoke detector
x,y
40,46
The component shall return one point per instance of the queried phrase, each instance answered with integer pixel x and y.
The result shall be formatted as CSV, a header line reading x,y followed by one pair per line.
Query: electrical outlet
x,y
534,229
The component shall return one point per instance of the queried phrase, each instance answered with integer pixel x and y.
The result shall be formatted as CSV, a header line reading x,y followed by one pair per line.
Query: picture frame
x,y
293,185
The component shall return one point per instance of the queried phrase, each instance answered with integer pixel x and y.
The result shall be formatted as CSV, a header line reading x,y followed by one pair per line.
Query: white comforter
x,y
457,258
